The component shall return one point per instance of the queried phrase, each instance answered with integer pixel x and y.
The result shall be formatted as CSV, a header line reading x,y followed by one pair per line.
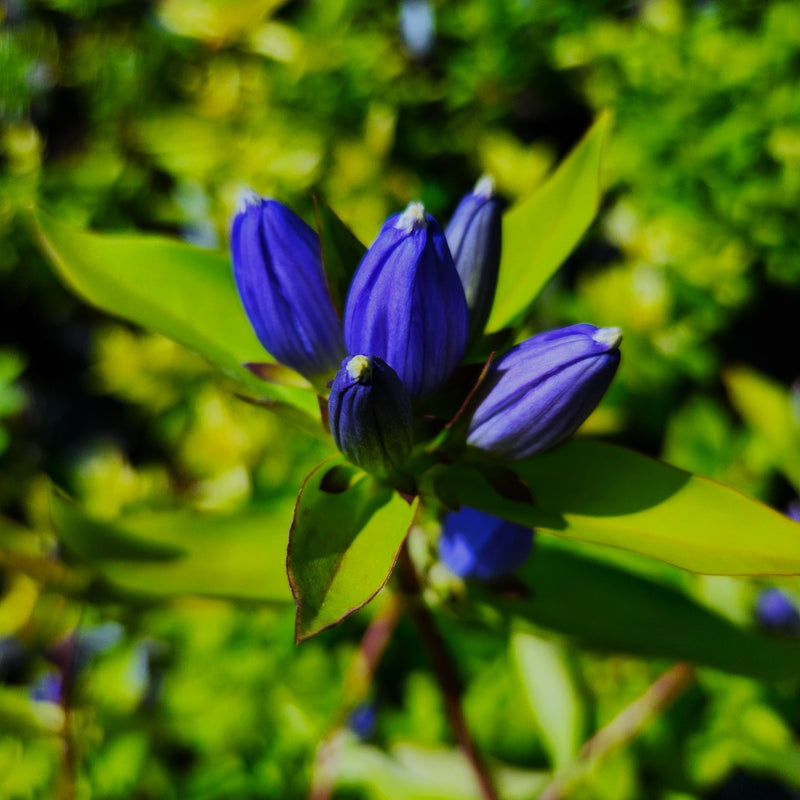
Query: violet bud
x,y
370,414
775,612
478,545
474,234
277,265
793,509
406,304
539,392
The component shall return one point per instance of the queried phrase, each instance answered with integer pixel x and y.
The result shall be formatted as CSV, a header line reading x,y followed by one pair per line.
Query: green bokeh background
x,y
125,115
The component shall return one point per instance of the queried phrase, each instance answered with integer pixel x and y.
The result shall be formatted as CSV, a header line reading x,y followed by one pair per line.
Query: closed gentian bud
x,y
540,391
277,265
370,414
478,545
406,304
775,612
474,234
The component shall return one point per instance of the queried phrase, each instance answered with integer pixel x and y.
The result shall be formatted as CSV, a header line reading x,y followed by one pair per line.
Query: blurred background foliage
x,y
153,116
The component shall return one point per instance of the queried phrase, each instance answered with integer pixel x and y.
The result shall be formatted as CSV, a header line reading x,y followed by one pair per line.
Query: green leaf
x,y
613,610
542,230
610,496
551,690
766,406
341,252
186,293
346,534
159,554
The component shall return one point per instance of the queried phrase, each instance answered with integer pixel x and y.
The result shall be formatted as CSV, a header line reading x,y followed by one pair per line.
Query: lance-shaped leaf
x,y
341,252
611,609
161,554
543,229
346,534
183,292
611,496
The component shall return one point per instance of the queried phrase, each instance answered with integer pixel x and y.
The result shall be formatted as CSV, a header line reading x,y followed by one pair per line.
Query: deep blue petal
x,y
542,390
478,545
369,412
278,271
474,237
406,304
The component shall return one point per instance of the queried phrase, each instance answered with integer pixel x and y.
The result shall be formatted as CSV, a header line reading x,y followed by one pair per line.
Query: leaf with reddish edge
x,y
346,534
610,496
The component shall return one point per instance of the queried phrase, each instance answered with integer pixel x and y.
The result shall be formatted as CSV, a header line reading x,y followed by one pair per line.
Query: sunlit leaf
x,y
551,690
766,406
159,554
346,535
181,291
613,610
611,496
542,230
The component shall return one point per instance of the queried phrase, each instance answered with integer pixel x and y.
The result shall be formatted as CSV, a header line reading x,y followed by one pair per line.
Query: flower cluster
x,y
419,298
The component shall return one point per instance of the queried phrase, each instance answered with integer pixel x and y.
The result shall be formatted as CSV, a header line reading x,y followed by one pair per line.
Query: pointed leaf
x,y
542,230
346,535
610,496
551,689
610,609
341,252
183,292
159,554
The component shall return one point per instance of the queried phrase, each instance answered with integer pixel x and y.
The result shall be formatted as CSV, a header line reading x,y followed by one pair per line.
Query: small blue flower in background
x,y
47,688
538,393
478,545
406,304
277,265
474,237
775,612
363,719
793,509
370,414
418,27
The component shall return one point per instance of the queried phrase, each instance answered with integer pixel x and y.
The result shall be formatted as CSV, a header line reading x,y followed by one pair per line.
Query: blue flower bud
x,y
474,234
406,304
775,612
793,509
370,414
478,545
540,391
277,265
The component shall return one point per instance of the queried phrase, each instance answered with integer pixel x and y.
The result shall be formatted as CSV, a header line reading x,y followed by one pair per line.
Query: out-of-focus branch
x,y
625,727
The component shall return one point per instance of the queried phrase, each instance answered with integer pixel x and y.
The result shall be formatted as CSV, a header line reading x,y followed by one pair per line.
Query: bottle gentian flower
x,y
478,545
540,391
406,304
775,612
370,414
474,235
277,265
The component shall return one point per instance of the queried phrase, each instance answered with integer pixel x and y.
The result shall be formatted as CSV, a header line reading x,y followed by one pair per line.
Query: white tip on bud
x,y
412,219
484,187
247,198
610,337
359,369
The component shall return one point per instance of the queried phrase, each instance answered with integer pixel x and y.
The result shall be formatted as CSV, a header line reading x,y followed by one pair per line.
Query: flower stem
x,y
445,670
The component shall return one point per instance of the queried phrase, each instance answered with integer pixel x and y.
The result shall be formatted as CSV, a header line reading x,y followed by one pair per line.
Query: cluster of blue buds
x,y
417,300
